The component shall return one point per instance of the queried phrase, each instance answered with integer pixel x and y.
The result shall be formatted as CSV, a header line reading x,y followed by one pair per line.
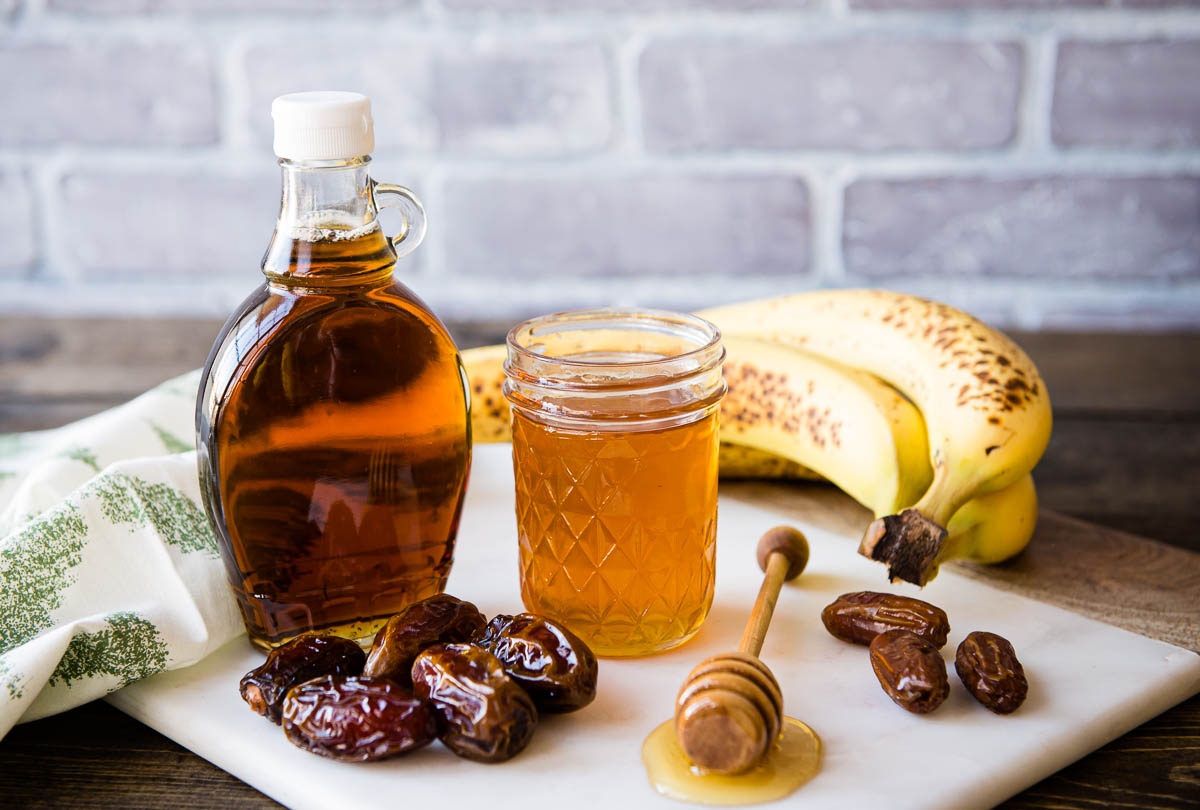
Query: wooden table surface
x,y
1125,454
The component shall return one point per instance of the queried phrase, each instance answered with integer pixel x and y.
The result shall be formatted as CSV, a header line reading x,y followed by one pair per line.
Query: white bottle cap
x,y
323,125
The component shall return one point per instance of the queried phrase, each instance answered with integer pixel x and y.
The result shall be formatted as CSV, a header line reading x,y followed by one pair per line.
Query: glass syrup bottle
x,y
333,417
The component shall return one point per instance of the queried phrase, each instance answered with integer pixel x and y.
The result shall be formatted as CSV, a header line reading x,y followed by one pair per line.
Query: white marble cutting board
x,y
1089,683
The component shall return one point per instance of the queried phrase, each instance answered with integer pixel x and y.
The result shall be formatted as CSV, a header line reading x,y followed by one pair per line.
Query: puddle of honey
x,y
793,760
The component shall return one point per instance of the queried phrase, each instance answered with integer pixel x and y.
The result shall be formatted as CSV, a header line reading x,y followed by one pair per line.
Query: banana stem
x,y
913,542
910,544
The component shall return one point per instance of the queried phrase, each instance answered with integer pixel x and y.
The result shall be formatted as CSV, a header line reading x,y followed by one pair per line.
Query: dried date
x,y
859,617
357,719
293,663
439,619
486,716
988,667
551,663
910,669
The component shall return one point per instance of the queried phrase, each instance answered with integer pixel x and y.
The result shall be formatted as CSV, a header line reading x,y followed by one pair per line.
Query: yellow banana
x,y
994,526
844,424
490,422
739,461
838,423
988,528
986,408
489,409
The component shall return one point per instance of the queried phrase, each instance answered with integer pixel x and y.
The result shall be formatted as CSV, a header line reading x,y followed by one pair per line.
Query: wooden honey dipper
x,y
729,711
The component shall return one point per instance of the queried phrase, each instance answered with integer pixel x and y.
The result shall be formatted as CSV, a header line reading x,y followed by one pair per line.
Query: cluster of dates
x,y
905,636
438,670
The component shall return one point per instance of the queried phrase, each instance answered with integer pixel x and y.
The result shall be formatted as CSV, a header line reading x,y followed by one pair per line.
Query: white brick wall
x,y
1035,161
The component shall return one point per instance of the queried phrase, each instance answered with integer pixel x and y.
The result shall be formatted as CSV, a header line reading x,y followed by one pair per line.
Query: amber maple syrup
x,y
333,424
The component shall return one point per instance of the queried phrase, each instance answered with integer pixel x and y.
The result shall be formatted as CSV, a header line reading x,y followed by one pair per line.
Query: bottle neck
x,y
325,194
327,228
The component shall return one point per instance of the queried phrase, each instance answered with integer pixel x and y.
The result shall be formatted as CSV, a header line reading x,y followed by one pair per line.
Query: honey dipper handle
x,y
764,605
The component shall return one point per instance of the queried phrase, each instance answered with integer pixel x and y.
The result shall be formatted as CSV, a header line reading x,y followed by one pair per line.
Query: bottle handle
x,y
412,213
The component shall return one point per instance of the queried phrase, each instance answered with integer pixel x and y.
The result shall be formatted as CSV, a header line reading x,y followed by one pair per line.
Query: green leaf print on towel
x,y
170,441
11,681
130,648
129,499
35,569
84,455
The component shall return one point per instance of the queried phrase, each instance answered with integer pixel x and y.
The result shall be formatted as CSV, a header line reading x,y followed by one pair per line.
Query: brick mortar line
x,y
1028,313
1036,106
1159,314
232,93
51,261
432,194
40,221
1109,23
826,210
629,93
1086,285
1065,161
694,284
1023,308
24,10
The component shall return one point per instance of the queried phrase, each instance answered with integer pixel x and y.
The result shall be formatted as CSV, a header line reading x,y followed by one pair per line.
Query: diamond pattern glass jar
x,y
615,458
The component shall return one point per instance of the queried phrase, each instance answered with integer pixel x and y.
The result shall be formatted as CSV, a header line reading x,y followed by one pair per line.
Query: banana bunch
x,y
920,412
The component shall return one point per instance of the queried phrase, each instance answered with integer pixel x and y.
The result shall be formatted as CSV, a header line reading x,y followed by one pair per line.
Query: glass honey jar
x,y
615,459
332,422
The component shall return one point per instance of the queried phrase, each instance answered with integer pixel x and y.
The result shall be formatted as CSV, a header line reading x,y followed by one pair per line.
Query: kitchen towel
x,y
109,571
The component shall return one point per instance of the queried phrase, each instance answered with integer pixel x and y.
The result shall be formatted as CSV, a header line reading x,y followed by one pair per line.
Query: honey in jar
x,y
615,460
333,429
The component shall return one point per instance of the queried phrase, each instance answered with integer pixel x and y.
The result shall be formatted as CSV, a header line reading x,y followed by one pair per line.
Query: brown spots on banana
x,y
756,396
489,413
997,444
489,408
972,348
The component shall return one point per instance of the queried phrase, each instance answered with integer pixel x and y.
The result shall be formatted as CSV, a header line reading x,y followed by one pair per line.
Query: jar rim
x,y
633,315
668,371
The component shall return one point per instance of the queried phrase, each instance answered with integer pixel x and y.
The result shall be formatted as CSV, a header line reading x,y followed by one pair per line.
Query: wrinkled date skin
x,y
910,670
859,617
551,663
293,663
988,667
487,717
357,719
439,619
